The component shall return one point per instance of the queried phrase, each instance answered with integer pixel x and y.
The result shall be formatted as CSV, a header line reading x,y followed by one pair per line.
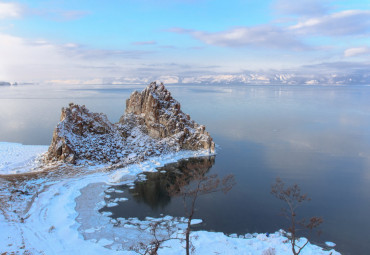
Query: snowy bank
x,y
16,158
64,216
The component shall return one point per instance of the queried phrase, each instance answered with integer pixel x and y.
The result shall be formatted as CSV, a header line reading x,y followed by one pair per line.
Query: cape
x,y
153,124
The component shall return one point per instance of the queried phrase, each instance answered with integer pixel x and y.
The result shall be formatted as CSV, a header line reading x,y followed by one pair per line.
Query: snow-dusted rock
x,y
82,134
152,124
161,115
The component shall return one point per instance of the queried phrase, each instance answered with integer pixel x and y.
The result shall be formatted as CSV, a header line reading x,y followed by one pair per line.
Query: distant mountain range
x,y
251,78
307,77
4,83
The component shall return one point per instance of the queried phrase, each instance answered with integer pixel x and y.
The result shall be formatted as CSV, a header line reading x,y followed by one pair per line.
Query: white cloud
x,y
349,22
14,10
10,10
261,36
38,60
301,7
351,52
29,60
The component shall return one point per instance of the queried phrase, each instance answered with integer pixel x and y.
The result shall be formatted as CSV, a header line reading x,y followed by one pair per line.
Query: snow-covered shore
x,y
16,158
62,215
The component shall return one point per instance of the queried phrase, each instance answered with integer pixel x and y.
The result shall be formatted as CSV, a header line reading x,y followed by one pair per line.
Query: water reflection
x,y
152,193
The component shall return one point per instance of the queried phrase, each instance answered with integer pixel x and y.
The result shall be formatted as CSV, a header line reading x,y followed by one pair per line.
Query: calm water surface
x,y
318,137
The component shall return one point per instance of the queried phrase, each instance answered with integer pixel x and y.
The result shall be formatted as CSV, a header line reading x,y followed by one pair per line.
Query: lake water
x,y
317,137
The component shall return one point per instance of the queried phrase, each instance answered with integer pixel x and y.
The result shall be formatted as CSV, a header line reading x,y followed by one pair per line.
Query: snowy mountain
x,y
252,78
3,83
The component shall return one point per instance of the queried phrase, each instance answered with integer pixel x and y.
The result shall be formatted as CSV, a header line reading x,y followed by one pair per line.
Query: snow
x,y
330,244
16,158
218,243
64,216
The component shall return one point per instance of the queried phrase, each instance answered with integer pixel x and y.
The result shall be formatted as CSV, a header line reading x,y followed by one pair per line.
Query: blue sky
x,y
49,40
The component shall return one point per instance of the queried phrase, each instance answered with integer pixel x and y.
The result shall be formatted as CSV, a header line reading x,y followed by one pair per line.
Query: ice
x,y
105,242
196,221
112,204
120,199
330,244
107,213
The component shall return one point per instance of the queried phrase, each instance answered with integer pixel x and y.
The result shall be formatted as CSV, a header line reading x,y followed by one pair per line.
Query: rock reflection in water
x,y
154,192
150,197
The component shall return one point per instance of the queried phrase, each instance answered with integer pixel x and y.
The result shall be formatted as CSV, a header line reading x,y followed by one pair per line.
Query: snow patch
x,y
16,158
330,244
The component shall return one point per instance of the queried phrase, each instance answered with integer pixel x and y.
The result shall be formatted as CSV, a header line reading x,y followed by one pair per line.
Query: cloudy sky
x,y
87,40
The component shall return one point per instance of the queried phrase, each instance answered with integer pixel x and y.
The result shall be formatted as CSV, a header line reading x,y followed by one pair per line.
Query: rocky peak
x,y
151,100
79,120
157,107
78,125
163,118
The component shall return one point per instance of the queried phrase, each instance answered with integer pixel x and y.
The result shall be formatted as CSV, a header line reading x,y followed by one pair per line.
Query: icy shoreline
x,y
64,216
16,158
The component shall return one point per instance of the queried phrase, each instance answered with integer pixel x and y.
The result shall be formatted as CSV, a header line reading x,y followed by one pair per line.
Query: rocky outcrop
x,y
162,116
152,124
82,134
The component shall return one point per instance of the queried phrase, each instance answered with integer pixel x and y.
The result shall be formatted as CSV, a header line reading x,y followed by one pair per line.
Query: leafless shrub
x,y
293,198
161,231
192,184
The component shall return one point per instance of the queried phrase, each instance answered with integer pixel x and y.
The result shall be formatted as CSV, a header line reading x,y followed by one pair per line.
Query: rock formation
x,y
152,124
163,118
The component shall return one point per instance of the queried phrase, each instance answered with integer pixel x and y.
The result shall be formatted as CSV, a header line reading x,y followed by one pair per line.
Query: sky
x,y
87,41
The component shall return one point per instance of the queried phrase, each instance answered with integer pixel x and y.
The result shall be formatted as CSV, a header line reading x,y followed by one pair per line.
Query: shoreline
x,y
52,223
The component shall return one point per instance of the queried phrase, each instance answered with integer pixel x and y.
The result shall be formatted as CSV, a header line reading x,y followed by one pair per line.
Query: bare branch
x,y
293,198
193,183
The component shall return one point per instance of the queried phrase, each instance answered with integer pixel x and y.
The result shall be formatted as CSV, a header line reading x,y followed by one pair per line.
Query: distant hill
x,y
4,83
261,78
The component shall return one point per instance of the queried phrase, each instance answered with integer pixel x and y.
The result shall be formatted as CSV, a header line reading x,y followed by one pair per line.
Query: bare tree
x,y
193,183
161,231
293,198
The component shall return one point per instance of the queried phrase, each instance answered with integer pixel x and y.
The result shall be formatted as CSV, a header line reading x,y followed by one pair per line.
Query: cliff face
x,y
152,124
162,116
82,134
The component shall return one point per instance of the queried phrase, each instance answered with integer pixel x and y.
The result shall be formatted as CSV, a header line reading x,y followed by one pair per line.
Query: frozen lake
x,y
317,137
